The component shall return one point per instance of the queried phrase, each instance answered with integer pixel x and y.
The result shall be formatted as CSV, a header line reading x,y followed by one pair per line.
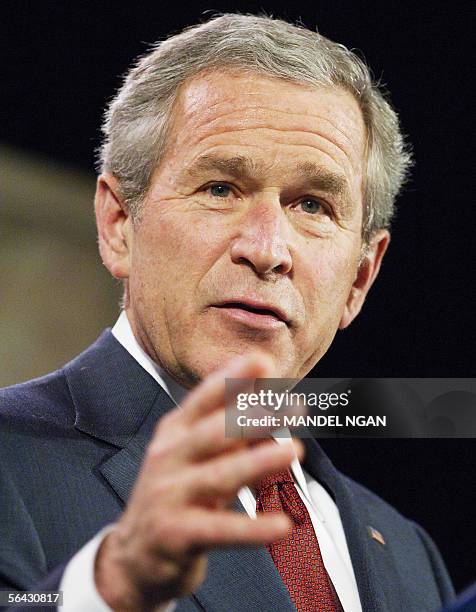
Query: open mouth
x,y
253,312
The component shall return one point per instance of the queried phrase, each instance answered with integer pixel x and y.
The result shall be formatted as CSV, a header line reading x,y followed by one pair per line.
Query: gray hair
x,y
138,118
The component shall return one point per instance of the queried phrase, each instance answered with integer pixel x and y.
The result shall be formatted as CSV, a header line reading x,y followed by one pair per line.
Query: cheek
x,y
175,251
328,279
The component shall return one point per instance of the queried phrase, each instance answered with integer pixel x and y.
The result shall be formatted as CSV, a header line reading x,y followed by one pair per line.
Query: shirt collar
x,y
123,333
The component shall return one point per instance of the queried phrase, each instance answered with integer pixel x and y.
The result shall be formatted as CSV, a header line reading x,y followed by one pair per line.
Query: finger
x,y
203,530
299,448
210,394
207,439
221,478
180,445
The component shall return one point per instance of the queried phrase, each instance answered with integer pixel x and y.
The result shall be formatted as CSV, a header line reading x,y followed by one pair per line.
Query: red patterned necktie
x,y
297,557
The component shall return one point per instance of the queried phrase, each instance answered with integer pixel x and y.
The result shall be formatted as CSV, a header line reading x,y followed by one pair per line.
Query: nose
x,y
261,242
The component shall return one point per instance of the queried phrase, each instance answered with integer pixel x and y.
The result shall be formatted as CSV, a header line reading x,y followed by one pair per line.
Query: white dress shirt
x,y
77,584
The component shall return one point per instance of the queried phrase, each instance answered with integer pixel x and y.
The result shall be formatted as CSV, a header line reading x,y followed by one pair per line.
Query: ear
x,y
366,274
114,226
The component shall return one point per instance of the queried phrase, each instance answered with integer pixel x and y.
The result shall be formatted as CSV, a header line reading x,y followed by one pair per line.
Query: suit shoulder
x,y
375,504
40,401
385,517
405,538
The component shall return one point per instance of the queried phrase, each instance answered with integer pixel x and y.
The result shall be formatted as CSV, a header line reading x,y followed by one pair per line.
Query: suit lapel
x,y
355,521
121,470
117,402
112,393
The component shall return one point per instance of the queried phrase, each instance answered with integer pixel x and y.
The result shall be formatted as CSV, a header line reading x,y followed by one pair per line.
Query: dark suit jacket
x,y
466,601
71,445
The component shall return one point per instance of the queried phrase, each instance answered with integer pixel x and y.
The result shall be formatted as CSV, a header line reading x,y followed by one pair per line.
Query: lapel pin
x,y
376,535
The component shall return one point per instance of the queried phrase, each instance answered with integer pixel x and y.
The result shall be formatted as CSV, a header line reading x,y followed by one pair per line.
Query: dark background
x,y
62,61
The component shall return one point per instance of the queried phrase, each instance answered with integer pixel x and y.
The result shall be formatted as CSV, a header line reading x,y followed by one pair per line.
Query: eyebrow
x,y
318,177
237,167
240,167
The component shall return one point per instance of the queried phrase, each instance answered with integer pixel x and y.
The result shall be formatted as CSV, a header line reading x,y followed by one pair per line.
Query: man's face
x,y
250,236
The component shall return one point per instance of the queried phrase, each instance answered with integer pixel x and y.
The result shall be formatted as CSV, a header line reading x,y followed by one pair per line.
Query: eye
x,y
219,190
311,206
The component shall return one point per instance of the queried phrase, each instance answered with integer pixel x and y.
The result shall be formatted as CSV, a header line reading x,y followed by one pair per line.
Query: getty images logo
x,y
272,400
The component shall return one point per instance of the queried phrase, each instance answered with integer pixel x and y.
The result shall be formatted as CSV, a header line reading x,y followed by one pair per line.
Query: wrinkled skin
x,y
273,234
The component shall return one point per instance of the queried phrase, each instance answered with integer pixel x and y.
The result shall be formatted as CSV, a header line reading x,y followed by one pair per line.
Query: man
x,y
249,170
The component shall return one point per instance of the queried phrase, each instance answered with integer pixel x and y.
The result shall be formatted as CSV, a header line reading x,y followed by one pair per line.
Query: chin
x,y
202,363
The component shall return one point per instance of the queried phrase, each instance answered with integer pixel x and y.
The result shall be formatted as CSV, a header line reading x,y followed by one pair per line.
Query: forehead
x,y
276,118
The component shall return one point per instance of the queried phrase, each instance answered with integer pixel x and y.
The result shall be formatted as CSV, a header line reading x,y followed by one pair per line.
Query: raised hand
x,y
178,509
